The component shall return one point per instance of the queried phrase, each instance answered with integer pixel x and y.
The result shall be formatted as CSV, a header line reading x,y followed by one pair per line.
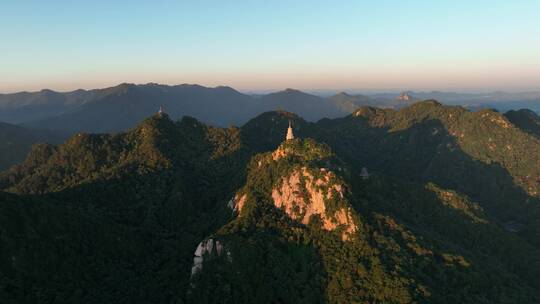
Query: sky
x,y
472,45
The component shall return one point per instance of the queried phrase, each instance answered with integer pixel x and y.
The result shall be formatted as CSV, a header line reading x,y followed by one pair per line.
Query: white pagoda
x,y
290,134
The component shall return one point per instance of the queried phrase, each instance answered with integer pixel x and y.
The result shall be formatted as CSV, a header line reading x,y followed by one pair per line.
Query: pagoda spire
x,y
290,134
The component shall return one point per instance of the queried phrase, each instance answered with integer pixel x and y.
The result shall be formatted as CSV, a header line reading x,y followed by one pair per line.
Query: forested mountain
x,y
480,153
28,106
309,230
502,101
15,142
526,120
118,216
122,107
184,212
309,106
349,103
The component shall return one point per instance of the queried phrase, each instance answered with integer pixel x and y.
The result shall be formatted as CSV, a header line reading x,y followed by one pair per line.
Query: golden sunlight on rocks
x,y
301,196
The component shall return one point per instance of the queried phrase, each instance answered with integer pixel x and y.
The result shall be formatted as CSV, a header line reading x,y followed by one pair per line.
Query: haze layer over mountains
x,y
121,107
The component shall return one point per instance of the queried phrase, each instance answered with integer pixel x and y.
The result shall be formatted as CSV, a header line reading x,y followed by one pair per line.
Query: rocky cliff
x,y
304,186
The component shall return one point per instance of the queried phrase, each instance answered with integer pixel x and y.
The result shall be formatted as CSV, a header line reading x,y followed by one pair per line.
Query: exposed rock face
x,y
279,153
237,202
405,96
305,192
205,249
231,203
301,196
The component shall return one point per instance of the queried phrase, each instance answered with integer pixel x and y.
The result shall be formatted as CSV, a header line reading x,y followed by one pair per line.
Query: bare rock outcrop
x,y
298,178
237,202
207,249
302,195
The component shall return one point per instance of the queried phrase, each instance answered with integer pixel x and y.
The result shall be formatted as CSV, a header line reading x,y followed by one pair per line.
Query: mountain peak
x,y
345,94
126,85
289,91
276,117
226,89
119,89
158,120
305,186
367,111
427,103
526,120
302,150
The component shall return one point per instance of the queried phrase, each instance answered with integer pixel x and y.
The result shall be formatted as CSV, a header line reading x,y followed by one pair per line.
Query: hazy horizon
x,y
314,91
257,46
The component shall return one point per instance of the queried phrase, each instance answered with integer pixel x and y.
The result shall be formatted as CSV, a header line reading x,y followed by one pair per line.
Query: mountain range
x,y
187,212
122,107
119,108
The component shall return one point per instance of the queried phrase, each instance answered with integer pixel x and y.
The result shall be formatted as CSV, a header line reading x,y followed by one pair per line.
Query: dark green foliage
x,y
526,120
264,269
16,142
342,272
479,154
415,244
441,226
153,192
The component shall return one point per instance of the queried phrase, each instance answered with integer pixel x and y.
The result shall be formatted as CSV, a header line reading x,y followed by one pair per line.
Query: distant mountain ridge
x,y
309,106
120,107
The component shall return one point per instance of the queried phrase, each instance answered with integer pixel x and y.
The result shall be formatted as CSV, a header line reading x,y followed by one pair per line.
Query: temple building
x,y
290,134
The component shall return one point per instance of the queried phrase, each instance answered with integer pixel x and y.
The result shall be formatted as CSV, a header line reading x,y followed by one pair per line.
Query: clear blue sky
x,y
260,45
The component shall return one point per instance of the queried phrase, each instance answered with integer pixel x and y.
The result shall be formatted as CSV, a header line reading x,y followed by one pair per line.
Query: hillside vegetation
x,y
367,241
16,142
526,120
150,195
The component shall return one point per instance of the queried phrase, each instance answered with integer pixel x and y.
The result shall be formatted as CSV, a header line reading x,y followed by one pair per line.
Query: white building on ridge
x,y
290,134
